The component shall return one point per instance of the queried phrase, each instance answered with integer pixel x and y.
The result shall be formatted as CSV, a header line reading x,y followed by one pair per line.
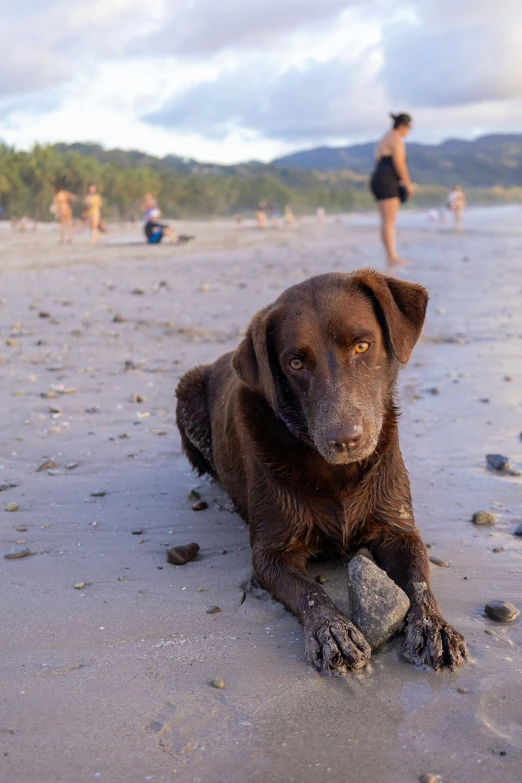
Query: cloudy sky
x,y
230,80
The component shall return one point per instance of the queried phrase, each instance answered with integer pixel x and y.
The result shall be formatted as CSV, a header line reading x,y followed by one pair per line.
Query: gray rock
x,y
518,531
438,562
17,551
179,555
498,462
483,518
377,605
501,611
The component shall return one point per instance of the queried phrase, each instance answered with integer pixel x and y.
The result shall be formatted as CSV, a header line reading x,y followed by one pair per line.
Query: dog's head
x,y
325,356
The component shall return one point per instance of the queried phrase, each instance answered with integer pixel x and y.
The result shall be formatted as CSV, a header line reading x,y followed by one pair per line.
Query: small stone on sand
x,y
218,683
213,610
137,532
194,495
438,562
17,551
98,493
71,465
498,549
12,506
201,505
429,777
518,531
483,518
49,464
498,462
501,611
179,555
462,690
321,578
79,586
377,605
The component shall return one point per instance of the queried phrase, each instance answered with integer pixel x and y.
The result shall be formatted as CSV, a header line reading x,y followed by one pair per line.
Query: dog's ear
x,y
251,359
401,308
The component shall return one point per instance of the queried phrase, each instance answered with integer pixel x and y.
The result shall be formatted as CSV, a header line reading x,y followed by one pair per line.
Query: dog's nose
x,y
345,438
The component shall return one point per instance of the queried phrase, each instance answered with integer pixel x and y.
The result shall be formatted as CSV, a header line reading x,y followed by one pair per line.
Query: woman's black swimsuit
x,y
385,180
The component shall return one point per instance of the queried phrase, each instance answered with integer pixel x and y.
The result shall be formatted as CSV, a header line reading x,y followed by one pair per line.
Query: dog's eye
x,y
296,364
361,347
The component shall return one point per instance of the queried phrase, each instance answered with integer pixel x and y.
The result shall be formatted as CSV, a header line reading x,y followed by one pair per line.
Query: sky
x,y
233,80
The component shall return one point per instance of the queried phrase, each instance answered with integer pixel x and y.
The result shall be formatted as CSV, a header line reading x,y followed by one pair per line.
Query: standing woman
x,y
63,211
391,183
93,204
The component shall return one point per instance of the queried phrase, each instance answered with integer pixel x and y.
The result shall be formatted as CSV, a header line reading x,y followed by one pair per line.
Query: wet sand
x,y
112,682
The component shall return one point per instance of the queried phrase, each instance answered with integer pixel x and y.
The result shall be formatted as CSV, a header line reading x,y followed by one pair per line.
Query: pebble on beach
x,y
438,562
377,605
218,683
213,610
429,777
79,586
518,531
498,462
501,611
321,578
49,464
200,505
12,506
483,518
179,555
194,495
16,551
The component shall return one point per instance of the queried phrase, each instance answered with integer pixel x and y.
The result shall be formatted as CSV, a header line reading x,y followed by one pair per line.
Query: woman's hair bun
x,y
400,119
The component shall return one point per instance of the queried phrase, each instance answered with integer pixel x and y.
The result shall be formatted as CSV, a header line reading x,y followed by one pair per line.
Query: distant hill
x,y
484,162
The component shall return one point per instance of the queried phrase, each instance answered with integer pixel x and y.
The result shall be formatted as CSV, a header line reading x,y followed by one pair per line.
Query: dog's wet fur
x,y
299,425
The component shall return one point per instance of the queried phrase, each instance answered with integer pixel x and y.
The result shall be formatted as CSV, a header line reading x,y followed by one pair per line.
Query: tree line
x,y
185,190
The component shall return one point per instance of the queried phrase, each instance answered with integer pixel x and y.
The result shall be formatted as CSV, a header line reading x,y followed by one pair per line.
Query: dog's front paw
x,y
335,646
431,642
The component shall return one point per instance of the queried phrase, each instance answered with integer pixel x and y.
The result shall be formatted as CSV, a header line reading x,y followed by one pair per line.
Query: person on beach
x,y
289,215
93,205
456,204
261,216
61,207
155,231
148,205
391,182
320,214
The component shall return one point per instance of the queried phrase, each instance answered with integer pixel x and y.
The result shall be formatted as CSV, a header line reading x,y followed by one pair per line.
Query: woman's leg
x,y
388,209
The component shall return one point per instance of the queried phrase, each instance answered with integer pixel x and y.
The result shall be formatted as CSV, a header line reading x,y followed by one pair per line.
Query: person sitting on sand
x,y
93,204
61,207
155,231
456,203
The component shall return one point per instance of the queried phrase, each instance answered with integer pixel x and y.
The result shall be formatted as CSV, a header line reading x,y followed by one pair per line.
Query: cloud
x,y
455,53
329,99
44,42
202,27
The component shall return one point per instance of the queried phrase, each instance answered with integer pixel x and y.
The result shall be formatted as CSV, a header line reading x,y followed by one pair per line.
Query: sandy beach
x,y
112,681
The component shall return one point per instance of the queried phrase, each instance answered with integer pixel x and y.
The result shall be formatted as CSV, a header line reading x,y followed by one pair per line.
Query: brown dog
x,y
300,426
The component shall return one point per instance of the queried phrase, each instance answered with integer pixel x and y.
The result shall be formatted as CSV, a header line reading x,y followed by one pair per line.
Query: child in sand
x,y
93,203
61,207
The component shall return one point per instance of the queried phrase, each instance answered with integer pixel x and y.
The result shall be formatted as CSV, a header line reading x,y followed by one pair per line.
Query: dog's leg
x,y
333,644
430,640
193,420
